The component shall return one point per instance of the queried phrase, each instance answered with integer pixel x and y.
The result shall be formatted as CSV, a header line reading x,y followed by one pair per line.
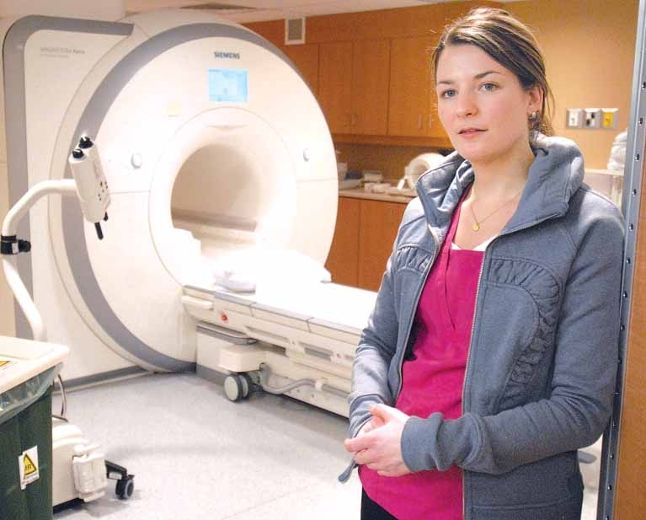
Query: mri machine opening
x,y
232,193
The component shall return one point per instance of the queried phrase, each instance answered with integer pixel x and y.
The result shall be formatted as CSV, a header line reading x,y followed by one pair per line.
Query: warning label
x,y
4,363
28,465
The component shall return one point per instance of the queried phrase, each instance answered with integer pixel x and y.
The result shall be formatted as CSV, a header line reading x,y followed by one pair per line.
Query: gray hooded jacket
x,y
543,356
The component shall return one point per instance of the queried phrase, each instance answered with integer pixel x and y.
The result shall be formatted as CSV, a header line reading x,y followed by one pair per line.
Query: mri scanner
x,y
223,188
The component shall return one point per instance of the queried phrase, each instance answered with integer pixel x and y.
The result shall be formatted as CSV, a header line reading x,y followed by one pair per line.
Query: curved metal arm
x,y
9,225
24,204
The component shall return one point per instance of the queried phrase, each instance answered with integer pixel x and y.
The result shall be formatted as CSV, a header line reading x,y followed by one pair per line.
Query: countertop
x,y
359,193
594,177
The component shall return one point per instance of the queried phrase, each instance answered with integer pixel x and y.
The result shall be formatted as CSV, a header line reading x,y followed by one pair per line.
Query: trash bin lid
x,y
22,359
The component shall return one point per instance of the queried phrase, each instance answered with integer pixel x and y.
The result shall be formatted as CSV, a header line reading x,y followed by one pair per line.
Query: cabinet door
x,y
435,128
335,85
379,224
370,74
435,125
306,59
343,260
410,87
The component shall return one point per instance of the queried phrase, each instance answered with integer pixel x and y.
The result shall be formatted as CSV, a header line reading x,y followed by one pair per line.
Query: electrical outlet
x,y
609,117
574,118
592,118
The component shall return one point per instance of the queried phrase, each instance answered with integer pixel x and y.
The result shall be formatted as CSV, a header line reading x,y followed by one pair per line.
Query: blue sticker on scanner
x,y
228,85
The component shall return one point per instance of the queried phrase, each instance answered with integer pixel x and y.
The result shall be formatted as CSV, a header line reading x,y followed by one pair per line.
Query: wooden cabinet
x,y
343,260
412,103
306,59
372,91
370,75
379,222
435,125
353,86
410,85
335,85
363,240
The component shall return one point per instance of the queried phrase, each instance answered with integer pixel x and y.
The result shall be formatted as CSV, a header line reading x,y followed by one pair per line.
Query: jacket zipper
x,y
416,303
466,370
473,326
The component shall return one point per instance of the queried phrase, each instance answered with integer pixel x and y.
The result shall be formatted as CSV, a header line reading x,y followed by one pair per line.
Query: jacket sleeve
x,y
378,342
582,386
373,356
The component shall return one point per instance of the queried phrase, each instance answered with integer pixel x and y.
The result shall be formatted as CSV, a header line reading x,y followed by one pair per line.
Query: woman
x,y
490,356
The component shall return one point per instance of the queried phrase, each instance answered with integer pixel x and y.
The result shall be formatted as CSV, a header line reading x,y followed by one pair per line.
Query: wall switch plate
x,y
592,118
574,118
609,117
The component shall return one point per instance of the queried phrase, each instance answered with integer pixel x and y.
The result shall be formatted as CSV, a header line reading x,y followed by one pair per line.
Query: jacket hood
x,y
554,176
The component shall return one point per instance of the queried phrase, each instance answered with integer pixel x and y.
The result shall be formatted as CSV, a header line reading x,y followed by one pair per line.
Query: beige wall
x,y
589,49
6,299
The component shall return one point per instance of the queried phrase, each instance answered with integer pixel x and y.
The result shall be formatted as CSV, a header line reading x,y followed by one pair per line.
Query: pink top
x,y
432,382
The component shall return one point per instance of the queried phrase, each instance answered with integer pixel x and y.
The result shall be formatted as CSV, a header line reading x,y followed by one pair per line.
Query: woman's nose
x,y
466,105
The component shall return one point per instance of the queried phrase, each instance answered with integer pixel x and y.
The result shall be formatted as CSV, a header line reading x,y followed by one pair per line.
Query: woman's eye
x,y
447,93
489,87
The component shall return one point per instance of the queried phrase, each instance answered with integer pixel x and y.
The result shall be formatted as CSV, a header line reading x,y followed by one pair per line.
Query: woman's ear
x,y
535,99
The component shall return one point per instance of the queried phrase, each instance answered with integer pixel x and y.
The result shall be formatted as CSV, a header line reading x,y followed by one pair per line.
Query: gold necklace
x,y
477,223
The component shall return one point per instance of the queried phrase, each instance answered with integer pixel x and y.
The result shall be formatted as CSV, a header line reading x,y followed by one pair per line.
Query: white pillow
x,y
244,271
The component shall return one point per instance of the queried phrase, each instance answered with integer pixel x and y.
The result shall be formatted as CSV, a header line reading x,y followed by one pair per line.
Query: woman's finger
x,y
363,457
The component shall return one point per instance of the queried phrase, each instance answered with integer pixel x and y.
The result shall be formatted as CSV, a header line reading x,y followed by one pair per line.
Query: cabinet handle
x,y
419,122
430,120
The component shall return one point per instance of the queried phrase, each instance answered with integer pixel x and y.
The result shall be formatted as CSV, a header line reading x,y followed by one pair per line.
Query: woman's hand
x,y
374,422
378,444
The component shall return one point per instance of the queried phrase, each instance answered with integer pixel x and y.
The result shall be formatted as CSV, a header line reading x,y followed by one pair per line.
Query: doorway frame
x,y
631,202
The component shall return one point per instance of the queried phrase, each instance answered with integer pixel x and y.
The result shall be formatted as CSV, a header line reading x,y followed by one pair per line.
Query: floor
x,y
197,455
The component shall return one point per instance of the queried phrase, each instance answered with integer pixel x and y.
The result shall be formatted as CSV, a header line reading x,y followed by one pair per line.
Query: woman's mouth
x,y
470,131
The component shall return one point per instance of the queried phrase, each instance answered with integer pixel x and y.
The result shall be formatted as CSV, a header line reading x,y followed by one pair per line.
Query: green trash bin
x,y
27,371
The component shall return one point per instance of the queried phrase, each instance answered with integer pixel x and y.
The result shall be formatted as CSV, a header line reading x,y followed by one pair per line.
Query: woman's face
x,y
482,105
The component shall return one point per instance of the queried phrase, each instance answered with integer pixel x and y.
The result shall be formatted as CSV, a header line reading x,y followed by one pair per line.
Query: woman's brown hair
x,y
510,43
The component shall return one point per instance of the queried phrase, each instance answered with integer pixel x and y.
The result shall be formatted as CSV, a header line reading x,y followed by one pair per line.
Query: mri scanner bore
x,y
221,169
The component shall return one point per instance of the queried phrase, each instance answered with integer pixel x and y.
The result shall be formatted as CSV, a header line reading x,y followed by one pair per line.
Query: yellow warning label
x,y
30,467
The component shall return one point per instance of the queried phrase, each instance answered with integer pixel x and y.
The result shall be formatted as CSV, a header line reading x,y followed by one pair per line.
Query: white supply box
x,y
21,360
